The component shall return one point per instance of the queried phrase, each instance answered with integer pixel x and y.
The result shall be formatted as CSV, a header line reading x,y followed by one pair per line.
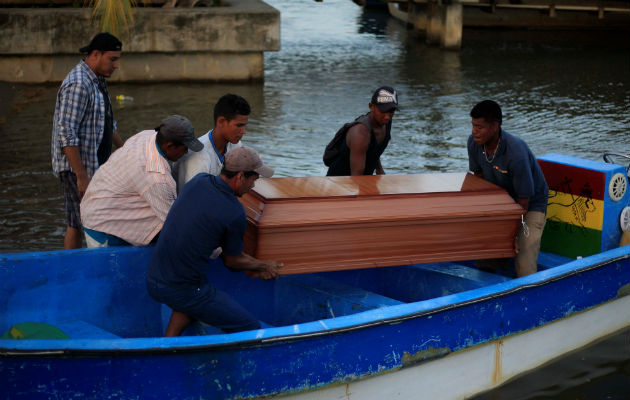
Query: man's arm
x,y
189,166
472,162
358,141
379,167
252,266
74,158
523,181
72,106
160,197
117,140
523,202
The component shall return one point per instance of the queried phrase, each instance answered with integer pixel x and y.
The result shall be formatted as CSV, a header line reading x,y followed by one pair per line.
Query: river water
x,y
561,91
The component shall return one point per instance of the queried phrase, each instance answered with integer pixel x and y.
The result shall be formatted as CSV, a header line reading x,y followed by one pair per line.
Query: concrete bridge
x,y
443,20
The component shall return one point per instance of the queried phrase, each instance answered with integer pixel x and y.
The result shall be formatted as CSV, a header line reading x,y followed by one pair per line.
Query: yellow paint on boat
x,y
576,210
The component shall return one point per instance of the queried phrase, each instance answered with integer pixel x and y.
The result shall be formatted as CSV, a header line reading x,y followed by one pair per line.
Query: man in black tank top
x,y
358,150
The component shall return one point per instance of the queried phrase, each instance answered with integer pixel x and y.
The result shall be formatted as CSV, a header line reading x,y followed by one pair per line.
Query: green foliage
x,y
113,15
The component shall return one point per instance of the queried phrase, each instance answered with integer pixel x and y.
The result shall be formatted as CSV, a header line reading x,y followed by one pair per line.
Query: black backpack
x,y
333,148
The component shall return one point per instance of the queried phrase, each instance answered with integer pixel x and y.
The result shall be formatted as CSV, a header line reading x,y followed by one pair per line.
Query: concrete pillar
x,y
453,26
435,20
418,16
445,25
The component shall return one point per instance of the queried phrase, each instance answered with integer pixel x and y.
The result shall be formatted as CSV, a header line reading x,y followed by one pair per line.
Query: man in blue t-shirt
x,y
505,160
205,220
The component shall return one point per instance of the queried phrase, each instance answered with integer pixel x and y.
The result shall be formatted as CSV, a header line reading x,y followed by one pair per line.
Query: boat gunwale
x,y
57,348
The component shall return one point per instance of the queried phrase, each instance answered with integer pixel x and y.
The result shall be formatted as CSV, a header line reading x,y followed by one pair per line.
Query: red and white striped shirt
x,y
130,195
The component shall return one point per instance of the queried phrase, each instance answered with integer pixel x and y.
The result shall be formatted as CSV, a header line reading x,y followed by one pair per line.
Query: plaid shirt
x,y
79,119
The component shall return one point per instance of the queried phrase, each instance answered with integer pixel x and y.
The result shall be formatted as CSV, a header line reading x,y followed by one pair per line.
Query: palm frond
x,y
113,15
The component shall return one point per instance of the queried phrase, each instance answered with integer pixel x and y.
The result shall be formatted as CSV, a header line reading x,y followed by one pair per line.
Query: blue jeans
x,y
204,303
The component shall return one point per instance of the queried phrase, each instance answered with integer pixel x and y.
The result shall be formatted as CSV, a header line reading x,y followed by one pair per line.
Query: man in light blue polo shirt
x,y
506,161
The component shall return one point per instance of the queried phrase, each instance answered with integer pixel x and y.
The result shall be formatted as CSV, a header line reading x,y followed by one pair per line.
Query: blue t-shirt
x,y
205,215
514,168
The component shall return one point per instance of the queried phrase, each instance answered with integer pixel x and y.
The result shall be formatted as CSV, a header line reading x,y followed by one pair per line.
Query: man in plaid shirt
x,y
84,128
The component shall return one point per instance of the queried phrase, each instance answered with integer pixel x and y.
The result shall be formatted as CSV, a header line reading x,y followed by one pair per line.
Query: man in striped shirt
x,y
130,195
84,127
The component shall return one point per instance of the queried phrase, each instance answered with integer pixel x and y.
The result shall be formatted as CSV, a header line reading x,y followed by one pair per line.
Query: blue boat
x,y
447,330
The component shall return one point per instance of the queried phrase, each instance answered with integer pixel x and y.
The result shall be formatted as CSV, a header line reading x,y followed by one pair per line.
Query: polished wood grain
x,y
330,223
321,187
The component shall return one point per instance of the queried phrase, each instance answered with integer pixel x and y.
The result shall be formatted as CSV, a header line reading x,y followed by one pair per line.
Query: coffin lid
x,y
335,200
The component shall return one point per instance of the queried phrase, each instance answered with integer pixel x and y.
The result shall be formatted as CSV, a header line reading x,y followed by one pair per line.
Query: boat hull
x,y
359,350
486,366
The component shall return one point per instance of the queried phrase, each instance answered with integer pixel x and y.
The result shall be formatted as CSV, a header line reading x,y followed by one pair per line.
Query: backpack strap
x,y
333,148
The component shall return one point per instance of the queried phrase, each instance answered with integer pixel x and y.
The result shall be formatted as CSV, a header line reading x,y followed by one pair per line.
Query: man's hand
x,y
269,271
117,140
74,158
82,184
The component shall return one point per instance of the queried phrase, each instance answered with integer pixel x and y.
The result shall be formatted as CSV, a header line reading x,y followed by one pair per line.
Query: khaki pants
x,y
526,261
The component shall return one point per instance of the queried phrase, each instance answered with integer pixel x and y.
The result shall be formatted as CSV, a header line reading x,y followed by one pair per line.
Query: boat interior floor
x,y
304,298
128,312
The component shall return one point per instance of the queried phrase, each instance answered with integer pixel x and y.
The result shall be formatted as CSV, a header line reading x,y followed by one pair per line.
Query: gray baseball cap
x,y
246,159
176,128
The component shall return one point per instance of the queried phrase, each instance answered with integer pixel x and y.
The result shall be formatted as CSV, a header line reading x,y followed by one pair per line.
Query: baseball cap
x,y
246,159
176,128
103,41
385,99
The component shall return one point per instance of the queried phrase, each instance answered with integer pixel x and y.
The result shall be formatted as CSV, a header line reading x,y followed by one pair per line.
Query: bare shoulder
x,y
358,134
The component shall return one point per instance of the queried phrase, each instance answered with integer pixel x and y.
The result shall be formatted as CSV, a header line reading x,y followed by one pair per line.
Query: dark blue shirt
x,y
205,215
514,168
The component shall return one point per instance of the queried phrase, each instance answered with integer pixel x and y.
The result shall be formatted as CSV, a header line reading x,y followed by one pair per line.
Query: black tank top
x,y
341,165
105,148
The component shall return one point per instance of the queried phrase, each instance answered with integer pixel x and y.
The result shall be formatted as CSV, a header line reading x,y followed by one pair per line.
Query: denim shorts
x,y
204,303
71,199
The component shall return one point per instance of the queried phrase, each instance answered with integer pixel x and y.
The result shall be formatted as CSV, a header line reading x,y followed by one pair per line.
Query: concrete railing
x,y
175,44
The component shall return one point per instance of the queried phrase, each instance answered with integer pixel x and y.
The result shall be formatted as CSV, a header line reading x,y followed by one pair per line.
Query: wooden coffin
x,y
314,224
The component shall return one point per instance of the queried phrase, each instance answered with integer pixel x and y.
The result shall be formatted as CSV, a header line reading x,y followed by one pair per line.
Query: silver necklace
x,y
496,149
